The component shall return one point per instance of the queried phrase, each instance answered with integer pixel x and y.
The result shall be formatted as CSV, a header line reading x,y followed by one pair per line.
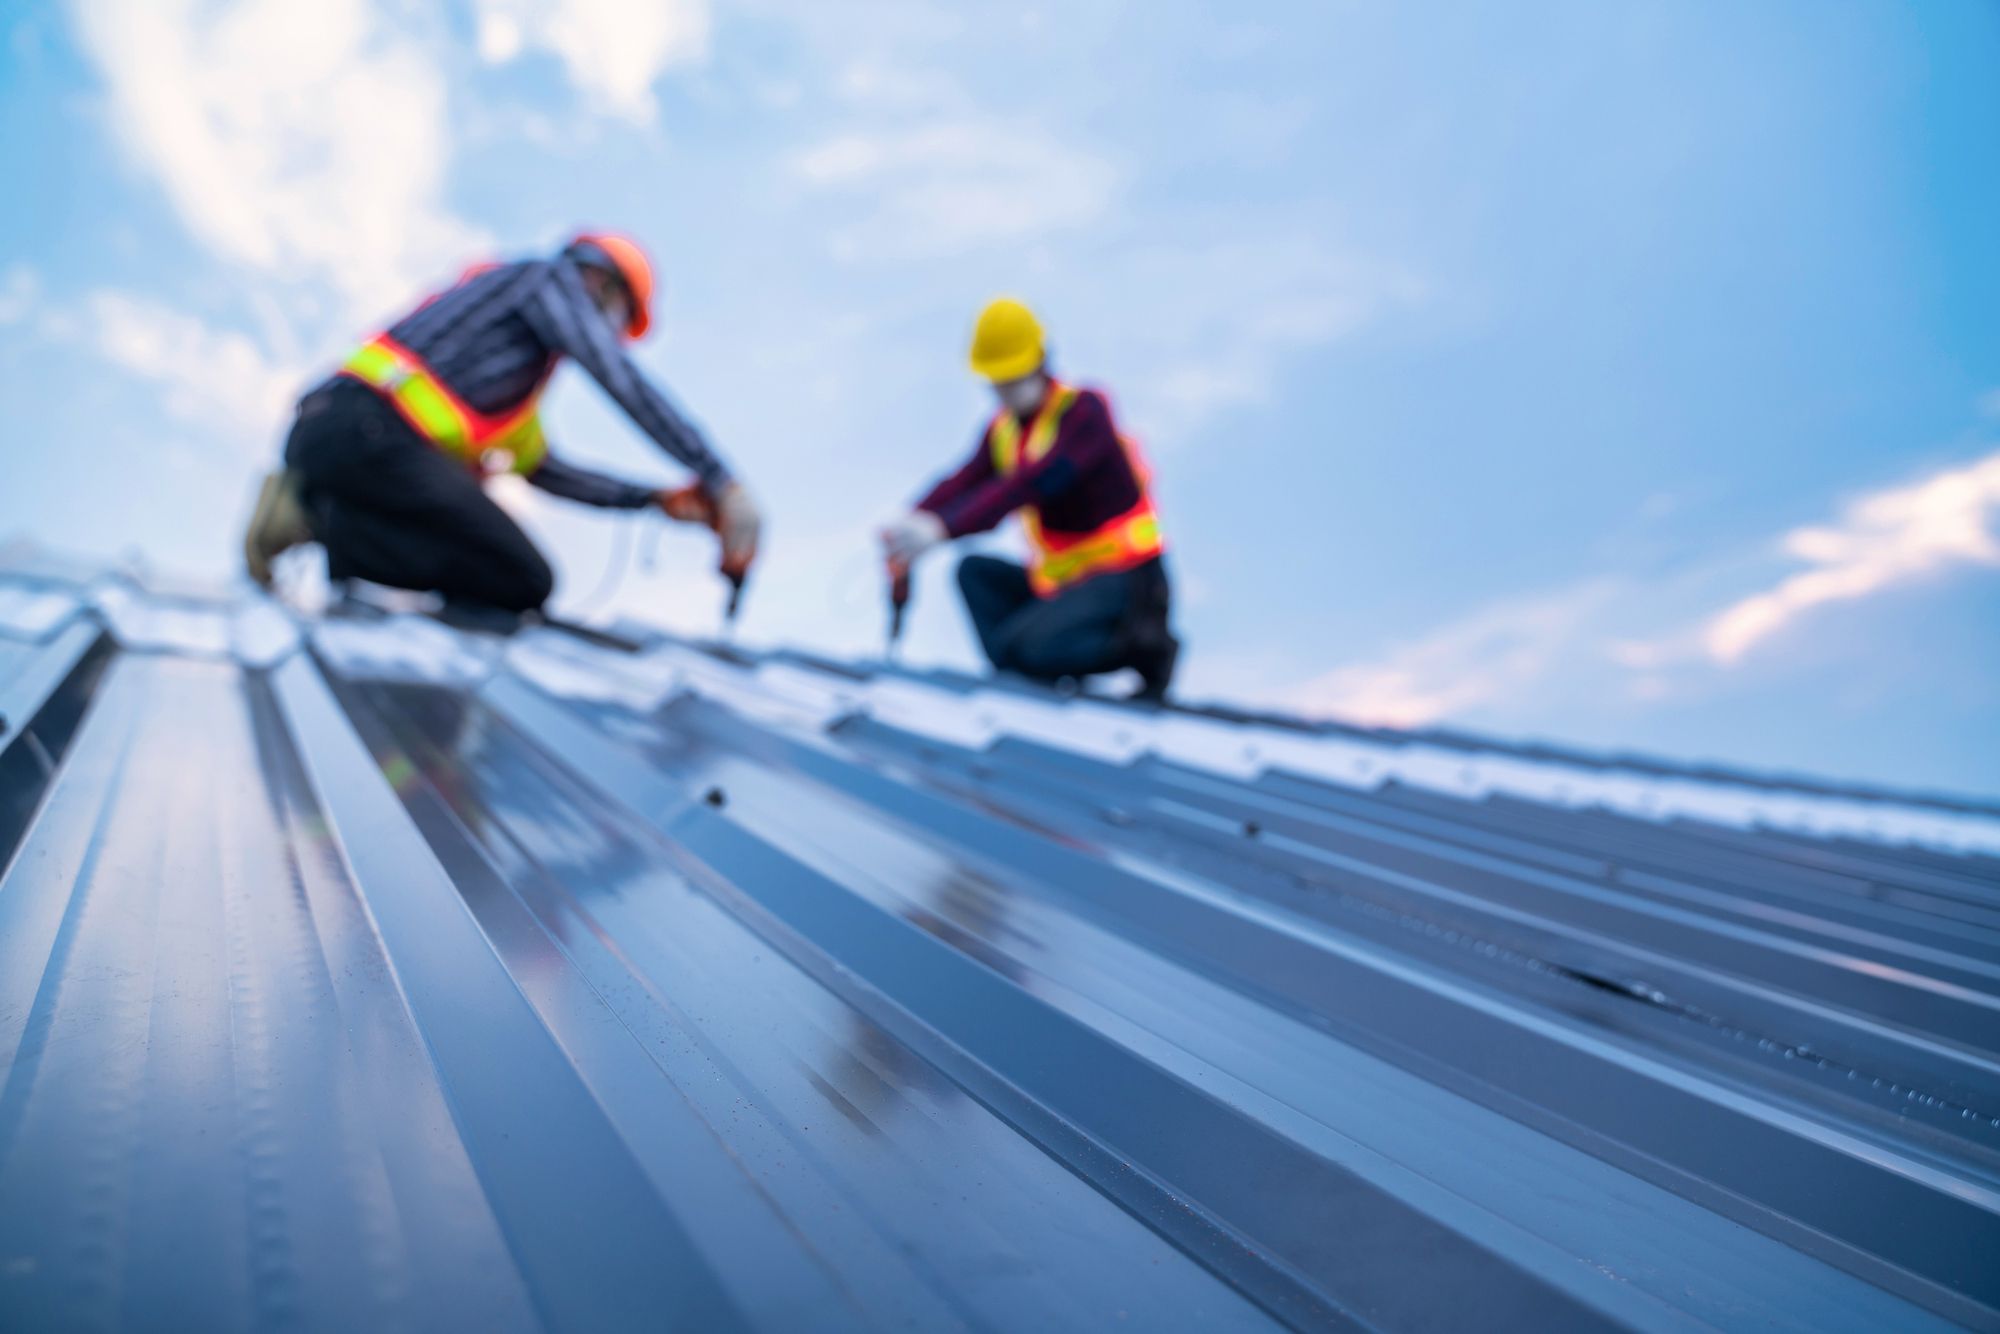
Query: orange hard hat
x,y
633,269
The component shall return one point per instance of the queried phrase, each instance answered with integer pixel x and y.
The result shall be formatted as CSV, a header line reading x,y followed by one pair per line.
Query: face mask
x,y
609,297
1021,397
615,307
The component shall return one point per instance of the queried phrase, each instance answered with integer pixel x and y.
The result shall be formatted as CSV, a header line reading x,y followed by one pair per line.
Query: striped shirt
x,y
495,337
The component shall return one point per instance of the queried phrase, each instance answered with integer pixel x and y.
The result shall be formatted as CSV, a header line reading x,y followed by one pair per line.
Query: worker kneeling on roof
x,y
1095,598
386,460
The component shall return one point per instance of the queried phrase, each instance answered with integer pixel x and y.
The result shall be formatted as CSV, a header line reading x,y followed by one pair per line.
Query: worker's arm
x,y
590,488
976,472
921,529
567,320
1085,440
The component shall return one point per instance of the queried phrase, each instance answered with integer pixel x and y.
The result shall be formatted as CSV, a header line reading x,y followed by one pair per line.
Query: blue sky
x,y
1624,374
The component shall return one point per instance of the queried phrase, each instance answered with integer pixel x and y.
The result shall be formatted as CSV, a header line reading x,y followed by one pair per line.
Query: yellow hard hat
x,y
1007,341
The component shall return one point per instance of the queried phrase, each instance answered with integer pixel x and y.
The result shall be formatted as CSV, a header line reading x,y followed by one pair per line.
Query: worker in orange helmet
x,y
386,459
1095,596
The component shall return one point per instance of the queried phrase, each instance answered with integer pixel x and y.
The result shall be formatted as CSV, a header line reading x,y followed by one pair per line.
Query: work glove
x,y
738,523
733,516
911,536
687,504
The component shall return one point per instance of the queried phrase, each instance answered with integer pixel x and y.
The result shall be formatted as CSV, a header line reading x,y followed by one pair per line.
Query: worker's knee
x,y
976,574
541,582
1026,653
532,584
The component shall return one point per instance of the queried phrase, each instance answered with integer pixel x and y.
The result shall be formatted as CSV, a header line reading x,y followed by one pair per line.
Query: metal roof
x,y
364,973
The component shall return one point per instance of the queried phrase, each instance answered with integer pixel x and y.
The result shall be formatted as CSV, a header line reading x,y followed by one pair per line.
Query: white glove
x,y
738,523
912,535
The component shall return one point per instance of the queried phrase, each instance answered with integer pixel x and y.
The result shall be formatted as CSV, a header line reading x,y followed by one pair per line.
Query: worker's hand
x,y
738,523
911,536
687,504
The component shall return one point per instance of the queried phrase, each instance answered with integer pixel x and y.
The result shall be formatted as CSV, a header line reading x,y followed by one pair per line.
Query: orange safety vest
x,y
1062,559
486,442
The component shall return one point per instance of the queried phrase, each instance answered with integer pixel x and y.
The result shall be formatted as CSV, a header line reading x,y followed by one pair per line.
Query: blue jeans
x,y
1100,625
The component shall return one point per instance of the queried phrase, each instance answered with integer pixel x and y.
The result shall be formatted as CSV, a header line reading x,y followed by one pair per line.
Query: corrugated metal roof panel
x,y
369,973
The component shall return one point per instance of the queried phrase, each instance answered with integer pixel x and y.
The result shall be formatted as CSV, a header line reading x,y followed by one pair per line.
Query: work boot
x,y
277,524
1155,664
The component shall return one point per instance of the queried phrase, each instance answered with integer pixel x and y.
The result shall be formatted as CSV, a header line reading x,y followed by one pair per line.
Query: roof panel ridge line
x,y
1681,914
536,1135
1415,749
42,712
1277,1286
33,612
884,964
293,692
274,610
78,826
1282,1289
1450,986
1246,748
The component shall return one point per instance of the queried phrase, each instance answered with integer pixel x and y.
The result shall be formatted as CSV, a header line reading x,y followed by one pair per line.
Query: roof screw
x,y
716,797
1251,829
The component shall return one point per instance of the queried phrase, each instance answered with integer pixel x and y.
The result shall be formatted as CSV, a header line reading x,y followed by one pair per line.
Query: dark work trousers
x,y
391,508
1099,625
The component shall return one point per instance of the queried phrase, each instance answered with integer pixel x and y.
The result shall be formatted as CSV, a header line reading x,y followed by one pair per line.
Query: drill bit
x,y
899,598
731,607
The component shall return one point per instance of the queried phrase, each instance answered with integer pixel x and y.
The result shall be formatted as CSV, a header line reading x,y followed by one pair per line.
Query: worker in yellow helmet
x,y
385,461
1094,597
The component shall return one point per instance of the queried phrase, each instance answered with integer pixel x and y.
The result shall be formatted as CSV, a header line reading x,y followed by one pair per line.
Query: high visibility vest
x,y
1062,559
487,442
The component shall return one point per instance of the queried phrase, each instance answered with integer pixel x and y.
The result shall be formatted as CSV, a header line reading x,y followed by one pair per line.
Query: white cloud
x,y
941,188
215,378
1208,327
1486,657
1188,312
1554,652
20,289
613,51
218,379
306,141
894,86
1881,541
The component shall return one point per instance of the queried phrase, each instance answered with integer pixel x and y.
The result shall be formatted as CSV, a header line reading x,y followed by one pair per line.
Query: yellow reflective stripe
x,y
525,442
423,401
374,363
434,413
1137,537
1042,437
1123,542
1005,434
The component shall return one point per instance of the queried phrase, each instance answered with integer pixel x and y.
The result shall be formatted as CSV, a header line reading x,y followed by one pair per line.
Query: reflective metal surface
x,y
371,974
